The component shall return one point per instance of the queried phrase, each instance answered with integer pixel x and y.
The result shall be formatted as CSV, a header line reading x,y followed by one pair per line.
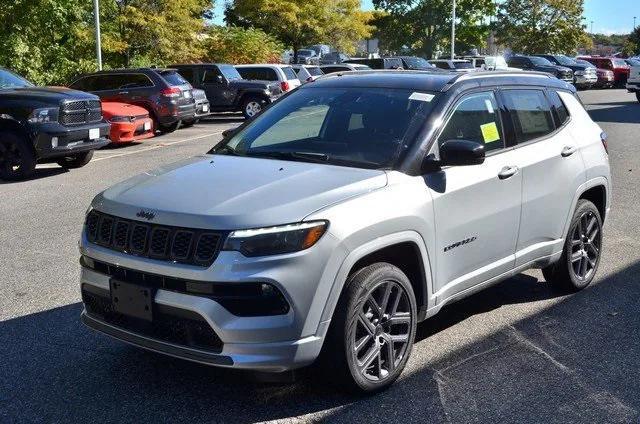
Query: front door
x,y
216,88
477,208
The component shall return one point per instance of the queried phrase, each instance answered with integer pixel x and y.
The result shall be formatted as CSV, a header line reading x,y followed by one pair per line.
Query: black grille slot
x,y
79,112
161,242
93,220
106,230
207,247
181,245
121,235
139,238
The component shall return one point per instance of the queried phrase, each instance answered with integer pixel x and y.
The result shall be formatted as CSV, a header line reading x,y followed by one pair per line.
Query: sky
x,y
608,16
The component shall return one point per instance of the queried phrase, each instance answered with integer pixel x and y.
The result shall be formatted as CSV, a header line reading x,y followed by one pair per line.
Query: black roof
x,y
434,81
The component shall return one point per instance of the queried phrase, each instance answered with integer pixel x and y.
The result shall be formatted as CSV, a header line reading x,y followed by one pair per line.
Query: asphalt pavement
x,y
517,352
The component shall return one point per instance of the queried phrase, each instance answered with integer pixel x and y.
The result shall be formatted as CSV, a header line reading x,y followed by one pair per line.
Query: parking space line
x,y
156,146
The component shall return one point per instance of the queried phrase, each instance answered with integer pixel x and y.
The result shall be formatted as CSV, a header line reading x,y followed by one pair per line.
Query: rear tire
x,y
373,329
17,160
75,161
251,106
582,250
169,128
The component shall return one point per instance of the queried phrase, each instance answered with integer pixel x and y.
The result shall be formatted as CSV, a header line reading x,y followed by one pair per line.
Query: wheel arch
x,y
596,190
248,94
406,250
10,124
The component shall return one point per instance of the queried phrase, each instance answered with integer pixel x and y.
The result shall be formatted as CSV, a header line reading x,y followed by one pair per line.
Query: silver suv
x,y
347,212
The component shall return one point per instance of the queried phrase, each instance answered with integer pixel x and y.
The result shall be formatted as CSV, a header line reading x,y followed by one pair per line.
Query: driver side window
x,y
475,118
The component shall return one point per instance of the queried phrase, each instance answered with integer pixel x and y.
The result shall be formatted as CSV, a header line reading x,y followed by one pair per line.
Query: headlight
x,y
120,119
40,116
276,240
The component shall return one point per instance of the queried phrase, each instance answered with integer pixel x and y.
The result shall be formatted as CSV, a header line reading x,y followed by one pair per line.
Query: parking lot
x,y
517,352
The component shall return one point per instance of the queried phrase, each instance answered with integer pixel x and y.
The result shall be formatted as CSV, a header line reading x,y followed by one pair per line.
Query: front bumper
x,y
52,140
202,109
272,343
126,132
585,80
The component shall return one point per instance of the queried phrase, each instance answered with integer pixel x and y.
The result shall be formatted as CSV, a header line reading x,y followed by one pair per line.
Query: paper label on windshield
x,y
490,132
421,97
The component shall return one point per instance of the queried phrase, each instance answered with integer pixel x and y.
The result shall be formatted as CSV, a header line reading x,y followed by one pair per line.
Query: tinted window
x,y
173,78
188,74
110,82
361,127
559,109
211,76
530,112
84,84
540,61
463,65
619,63
230,72
131,81
330,69
264,74
315,71
475,118
442,65
289,73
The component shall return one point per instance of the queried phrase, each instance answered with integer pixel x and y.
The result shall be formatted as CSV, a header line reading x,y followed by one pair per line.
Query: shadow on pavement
x,y
626,113
39,173
578,360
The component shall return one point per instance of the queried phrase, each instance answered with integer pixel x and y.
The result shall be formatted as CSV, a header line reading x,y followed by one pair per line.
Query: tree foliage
x,y
301,22
230,44
424,26
541,26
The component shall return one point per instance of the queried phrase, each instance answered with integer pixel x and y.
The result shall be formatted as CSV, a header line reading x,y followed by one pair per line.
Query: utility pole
x,y
453,31
591,27
634,23
96,19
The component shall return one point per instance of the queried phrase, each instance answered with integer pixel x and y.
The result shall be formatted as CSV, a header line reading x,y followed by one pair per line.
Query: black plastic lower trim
x,y
146,343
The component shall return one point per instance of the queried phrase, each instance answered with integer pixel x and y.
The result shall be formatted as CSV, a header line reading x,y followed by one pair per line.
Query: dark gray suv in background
x,y
163,92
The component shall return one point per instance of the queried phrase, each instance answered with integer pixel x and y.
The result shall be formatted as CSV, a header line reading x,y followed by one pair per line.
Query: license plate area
x,y
147,126
132,300
94,133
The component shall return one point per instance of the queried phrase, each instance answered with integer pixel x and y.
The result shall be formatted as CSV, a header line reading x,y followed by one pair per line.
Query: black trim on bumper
x,y
42,135
146,343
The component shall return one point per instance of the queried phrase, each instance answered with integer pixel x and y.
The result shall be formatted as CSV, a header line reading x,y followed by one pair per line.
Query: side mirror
x,y
461,153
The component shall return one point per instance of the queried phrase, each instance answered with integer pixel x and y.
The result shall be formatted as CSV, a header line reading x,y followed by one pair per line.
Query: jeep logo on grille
x,y
146,215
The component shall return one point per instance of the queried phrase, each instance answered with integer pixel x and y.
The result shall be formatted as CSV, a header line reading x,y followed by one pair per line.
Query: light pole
x,y
96,19
453,31
634,23
591,27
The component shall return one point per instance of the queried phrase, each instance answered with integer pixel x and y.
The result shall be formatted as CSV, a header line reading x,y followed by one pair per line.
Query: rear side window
x,y
289,73
263,74
530,113
331,69
84,84
211,76
560,111
188,74
132,81
173,78
475,118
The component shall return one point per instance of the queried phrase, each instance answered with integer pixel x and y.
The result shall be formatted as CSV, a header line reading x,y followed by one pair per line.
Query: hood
x,y
111,109
49,95
230,192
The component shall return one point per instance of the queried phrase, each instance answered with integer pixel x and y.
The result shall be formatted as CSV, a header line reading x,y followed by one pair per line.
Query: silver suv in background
x,y
357,206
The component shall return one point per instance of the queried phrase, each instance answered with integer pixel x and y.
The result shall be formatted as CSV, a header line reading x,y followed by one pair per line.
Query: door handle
x,y
568,151
507,172
123,92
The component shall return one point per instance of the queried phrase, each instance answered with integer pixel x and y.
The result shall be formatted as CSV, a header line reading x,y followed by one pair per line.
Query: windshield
x,y
417,63
584,62
619,63
496,62
357,127
540,61
463,65
11,80
564,60
305,53
229,72
633,62
315,71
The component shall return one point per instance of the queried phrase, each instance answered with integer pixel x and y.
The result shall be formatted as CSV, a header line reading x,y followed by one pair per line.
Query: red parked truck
x,y
618,66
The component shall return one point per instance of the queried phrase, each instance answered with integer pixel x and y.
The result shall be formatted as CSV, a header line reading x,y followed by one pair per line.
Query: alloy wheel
x,y
383,325
585,246
253,108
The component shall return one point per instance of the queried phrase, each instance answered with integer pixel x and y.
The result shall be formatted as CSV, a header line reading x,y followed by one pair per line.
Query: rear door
x,y
552,169
135,88
477,208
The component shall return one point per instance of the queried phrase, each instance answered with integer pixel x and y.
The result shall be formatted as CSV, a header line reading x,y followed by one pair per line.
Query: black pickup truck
x,y
46,124
226,90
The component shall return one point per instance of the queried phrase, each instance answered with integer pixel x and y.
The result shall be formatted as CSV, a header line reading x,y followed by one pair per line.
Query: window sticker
x,y
421,97
490,132
487,102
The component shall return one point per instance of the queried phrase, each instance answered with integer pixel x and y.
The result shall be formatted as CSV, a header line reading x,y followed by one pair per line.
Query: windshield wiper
x,y
225,150
305,156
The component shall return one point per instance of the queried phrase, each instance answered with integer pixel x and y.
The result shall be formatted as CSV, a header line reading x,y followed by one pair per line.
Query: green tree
x,y
424,26
230,44
301,22
541,26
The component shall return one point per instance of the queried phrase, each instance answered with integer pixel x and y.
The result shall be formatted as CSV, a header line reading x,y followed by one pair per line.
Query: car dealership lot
x,y
516,352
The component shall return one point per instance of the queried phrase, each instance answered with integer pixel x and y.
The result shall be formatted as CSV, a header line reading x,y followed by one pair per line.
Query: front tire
x,y
75,161
251,106
373,329
582,250
17,160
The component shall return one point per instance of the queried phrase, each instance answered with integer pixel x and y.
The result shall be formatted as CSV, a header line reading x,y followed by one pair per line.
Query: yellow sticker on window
x,y
490,132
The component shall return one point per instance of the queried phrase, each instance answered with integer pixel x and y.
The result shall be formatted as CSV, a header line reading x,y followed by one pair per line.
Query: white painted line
x,y
156,146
